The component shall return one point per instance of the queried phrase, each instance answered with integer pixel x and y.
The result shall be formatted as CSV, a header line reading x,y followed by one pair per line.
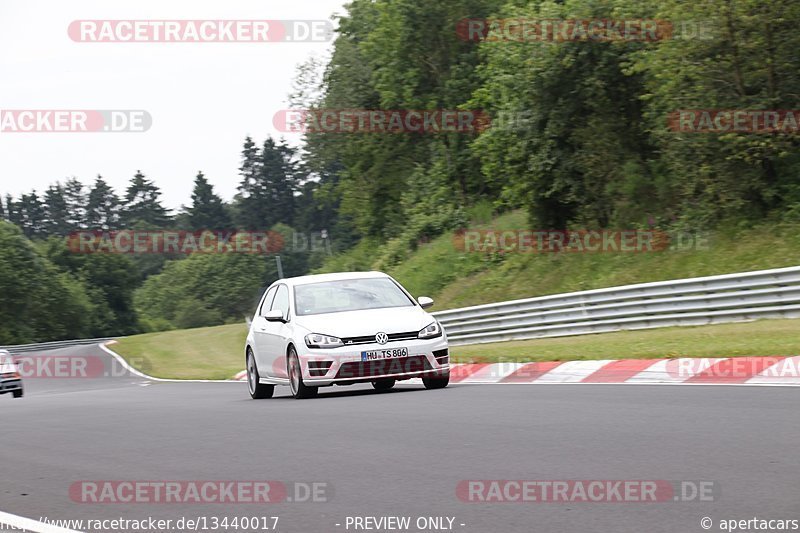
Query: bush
x,y
38,302
203,290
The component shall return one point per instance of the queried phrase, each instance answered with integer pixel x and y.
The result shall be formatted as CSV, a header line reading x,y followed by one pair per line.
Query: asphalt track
x,y
403,453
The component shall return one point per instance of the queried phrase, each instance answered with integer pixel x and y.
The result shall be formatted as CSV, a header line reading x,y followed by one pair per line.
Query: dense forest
x,y
589,147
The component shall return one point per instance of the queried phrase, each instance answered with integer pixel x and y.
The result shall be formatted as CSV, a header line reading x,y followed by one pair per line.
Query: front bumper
x,y
345,365
10,385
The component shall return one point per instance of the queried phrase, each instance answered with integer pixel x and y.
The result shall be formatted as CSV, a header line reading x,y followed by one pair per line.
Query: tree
x,y
76,204
142,205
103,207
56,211
39,303
249,170
13,214
202,290
748,60
32,214
269,180
378,63
279,177
110,281
207,210
566,154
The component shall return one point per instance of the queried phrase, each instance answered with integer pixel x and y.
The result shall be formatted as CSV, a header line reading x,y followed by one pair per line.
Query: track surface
x,y
402,453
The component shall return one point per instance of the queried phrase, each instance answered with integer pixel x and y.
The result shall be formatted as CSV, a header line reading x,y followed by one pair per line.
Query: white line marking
x,y
132,370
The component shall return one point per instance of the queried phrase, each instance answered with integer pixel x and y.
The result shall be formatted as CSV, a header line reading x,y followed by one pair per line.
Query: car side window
x,y
267,303
282,301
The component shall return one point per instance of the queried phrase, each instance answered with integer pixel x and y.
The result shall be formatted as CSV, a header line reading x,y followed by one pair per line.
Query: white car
x,y
10,380
339,329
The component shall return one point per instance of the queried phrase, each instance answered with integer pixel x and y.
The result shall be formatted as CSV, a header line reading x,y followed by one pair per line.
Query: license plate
x,y
391,353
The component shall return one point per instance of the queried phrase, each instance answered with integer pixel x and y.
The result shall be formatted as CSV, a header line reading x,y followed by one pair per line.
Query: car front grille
x,y
368,339
380,367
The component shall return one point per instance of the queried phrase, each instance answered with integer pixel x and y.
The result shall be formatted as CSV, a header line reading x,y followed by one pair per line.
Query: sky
x,y
204,98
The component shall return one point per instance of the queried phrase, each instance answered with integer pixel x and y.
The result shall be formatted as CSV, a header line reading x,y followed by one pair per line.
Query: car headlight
x,y
430,331
316,340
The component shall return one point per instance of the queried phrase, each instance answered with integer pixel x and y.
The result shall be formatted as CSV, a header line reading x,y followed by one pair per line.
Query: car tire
x,y
299,389
383,385
437,382
18,393
258,391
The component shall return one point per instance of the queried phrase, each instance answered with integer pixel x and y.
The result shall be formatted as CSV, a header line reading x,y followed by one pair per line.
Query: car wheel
x,y
299,389
18,393
383,384
437,382
258,391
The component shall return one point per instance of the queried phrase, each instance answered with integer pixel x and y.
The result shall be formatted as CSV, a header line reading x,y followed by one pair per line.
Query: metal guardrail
x,y
54,345
685,302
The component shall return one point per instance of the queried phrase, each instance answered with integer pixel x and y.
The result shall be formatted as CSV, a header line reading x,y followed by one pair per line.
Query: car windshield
x,y
348,295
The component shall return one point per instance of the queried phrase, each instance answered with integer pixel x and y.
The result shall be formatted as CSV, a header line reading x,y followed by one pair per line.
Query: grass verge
x,y
200,353
458,279
216,352
759,338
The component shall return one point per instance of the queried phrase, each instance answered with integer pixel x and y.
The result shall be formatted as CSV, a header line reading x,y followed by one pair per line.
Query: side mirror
x,y
425,302
275,315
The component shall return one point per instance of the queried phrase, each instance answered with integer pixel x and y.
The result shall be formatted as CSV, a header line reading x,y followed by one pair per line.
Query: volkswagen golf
x,y
340,329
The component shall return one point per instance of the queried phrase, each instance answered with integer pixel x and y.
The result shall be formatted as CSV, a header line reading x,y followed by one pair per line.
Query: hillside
x,y
456,279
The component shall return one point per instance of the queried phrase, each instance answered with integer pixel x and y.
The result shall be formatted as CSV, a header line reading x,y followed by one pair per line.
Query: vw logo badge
x,y
381,338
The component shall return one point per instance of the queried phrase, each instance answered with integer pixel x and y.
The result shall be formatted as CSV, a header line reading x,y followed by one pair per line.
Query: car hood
x,y
367,322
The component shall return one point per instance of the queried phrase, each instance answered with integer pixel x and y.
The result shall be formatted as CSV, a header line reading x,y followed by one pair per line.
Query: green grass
x,y
458,279
216,353
526,275
201,353
760,338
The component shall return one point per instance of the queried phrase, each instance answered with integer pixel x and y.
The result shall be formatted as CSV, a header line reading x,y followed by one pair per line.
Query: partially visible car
x,y
340,329
10,379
